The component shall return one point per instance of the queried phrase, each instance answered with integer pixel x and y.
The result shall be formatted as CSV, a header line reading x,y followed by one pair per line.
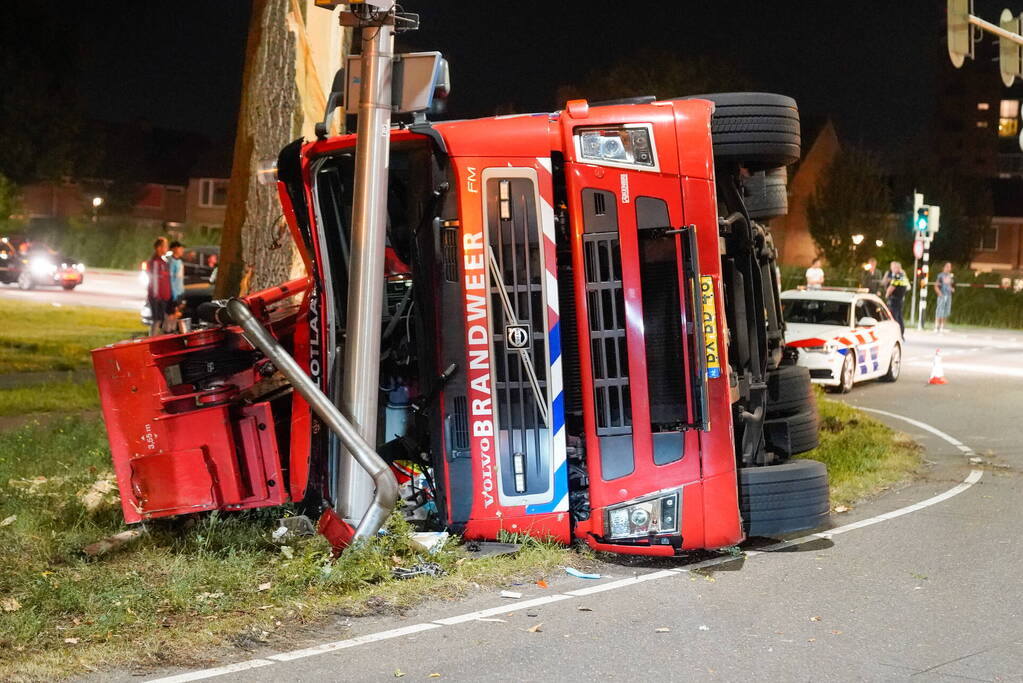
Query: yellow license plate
x,y
708,318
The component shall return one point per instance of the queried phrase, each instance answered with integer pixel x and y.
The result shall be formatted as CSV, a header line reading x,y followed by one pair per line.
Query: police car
x,y
842,336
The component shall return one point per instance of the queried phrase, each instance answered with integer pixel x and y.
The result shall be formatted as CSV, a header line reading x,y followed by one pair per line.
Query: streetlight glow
x,y
879,243
857,239
97,202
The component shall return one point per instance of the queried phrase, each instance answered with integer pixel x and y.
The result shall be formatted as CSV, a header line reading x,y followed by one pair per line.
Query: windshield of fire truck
x,y
409,199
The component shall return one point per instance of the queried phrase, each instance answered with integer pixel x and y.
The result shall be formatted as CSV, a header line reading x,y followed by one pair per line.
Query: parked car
x,y
31,265
200,276
842,336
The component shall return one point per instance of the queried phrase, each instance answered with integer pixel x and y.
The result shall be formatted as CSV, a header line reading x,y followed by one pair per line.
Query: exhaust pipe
x,y
386,495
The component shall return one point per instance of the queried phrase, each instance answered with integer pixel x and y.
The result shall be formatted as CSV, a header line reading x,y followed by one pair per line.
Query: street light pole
x,y
360,387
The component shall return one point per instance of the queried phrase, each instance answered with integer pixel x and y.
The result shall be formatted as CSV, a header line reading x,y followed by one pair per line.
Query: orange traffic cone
x,y
937,372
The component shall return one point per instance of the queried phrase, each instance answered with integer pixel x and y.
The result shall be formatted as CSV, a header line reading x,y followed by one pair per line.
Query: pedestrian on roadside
x,y
871,279
815,275
943,285
898,285
176,269
159,290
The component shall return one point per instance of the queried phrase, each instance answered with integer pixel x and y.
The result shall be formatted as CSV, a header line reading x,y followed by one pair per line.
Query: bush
x,y
113,242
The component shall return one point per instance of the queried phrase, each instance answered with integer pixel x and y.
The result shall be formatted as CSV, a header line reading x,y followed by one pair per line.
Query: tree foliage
x,y
656,72
851,199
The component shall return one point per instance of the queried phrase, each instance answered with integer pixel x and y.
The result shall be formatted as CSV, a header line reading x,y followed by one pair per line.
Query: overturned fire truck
x,y
581,339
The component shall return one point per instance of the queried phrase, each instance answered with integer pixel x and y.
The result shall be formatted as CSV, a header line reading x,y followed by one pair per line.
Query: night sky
x,y
872,66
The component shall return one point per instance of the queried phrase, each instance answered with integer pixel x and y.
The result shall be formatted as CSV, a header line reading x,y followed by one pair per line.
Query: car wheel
x,y
68,286
847,375
789,391
25,281
781,499
755,129
894,365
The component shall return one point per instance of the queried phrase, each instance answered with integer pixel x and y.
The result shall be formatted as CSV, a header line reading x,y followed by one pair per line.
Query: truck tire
x,y
782,499
789,391
794,434
757,130
765,194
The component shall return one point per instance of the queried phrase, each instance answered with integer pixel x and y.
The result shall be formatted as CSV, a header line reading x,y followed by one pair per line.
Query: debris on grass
x,y
535,628
571,571
703,627
102,493
663,629
841,508
10,605
111,543
514,595
264,586
7,521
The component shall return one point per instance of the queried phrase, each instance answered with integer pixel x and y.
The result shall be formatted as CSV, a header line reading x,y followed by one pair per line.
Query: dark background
x,y
872,66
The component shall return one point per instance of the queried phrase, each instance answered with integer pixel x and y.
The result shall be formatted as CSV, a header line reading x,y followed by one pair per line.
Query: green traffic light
x,y
922,218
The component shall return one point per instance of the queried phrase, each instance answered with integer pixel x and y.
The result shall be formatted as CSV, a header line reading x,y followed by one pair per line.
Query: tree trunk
x,y
265,125
289,65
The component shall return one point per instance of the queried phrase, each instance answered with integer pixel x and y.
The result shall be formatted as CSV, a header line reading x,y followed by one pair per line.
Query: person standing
x,y
898,285
943,285
815,275
871,278
176,270
159,290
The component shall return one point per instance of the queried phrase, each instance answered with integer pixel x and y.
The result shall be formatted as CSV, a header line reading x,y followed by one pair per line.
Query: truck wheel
x,y
758,130
789,391
765,194
795,434
781,499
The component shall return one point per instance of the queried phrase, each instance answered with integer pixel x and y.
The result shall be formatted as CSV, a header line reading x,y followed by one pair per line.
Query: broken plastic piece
x,y
298,525
337,531
430,541
490,549
514,595
580,575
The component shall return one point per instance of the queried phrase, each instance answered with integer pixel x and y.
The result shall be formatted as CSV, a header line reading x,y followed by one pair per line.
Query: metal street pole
x,y
923,282
913,309
360,387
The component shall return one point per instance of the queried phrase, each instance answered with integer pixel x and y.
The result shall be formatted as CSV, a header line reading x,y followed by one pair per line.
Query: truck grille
x,y
519,334
608,348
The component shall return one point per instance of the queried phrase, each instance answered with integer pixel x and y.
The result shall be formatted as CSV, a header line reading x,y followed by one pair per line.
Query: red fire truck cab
x,y
581,339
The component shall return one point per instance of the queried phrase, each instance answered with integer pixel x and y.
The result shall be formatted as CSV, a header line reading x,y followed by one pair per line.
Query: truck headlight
x,y
628,145
651,515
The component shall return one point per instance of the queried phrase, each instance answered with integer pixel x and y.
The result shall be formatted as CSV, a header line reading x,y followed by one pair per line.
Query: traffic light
x,y
923,219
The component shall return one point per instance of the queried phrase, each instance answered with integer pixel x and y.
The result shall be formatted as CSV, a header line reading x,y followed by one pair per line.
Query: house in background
x,y
792,232
176,178
1000,247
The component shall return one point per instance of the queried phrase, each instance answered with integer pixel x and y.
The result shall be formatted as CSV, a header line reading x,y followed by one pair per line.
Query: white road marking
x,y
973,368
219,671
514,605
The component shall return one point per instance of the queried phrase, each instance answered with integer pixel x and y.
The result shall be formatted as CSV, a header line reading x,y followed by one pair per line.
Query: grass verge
x,y
39,337
65,396
864,457
180,589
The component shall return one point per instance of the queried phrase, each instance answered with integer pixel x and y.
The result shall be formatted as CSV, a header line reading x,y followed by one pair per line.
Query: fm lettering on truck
x,y
708,318
471,181
481,405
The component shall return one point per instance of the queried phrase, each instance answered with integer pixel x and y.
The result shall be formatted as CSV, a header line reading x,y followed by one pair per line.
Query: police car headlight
x,y
651,515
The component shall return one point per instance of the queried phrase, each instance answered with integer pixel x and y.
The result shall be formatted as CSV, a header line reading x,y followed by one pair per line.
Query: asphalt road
x,y
101,289
933,595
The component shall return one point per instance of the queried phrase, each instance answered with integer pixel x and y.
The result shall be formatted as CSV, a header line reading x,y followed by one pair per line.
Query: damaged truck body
x,y
580,339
